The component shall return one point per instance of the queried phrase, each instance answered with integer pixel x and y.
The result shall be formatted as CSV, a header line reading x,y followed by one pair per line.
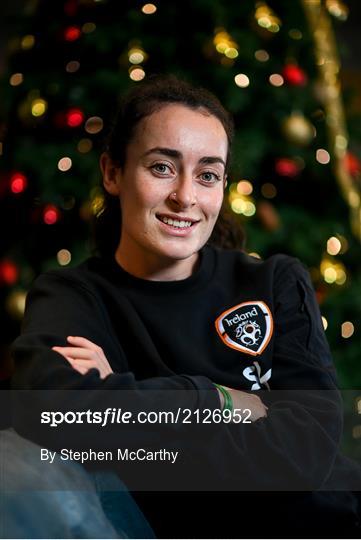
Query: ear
x,y
111,174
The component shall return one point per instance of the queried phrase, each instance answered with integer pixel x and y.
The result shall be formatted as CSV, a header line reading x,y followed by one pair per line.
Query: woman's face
x,y
171,187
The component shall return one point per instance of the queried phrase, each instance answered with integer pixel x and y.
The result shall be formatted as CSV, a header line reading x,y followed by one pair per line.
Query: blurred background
x,y
290,73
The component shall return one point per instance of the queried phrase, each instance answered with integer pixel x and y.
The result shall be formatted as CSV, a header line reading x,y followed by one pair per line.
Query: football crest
x,y
247,327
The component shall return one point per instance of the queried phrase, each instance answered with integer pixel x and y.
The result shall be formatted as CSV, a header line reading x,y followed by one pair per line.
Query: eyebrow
x,y
170,152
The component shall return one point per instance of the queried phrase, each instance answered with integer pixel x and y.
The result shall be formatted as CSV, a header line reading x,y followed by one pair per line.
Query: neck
x,y
153,267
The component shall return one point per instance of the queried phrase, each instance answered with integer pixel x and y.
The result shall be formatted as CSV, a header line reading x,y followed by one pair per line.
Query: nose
x,y
183,195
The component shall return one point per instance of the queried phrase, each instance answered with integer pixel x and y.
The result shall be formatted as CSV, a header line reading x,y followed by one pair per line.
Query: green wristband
x,y
228,403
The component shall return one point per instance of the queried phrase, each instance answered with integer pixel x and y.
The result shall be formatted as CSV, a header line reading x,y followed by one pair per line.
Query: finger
x,y
80,369
82,365
62,354
66,357
70,360
76,352
88,364
83,341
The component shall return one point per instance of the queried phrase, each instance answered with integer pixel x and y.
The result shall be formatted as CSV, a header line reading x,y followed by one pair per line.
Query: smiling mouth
x,y
177,223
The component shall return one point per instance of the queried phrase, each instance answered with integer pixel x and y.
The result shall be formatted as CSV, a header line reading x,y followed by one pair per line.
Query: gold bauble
x,y
15,303
297,129
337,9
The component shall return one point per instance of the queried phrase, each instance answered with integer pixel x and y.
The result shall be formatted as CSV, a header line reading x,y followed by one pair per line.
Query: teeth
x,y
176,223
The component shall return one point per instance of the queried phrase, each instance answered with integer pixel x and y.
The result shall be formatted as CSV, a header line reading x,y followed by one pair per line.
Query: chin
x,y
178,253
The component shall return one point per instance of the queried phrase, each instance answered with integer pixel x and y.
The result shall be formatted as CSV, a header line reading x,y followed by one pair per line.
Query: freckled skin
x,y
144,187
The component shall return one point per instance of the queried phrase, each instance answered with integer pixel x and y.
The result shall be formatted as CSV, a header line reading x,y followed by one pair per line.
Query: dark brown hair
x,y
141,101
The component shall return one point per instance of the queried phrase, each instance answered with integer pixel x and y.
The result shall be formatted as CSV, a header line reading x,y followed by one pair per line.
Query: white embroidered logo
x,y
253,374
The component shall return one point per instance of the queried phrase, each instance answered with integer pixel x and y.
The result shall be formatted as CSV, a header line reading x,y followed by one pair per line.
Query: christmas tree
x,y
295,182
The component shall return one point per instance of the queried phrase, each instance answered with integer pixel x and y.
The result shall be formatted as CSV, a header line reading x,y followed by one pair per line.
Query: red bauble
x,y
72,33
18,182
287,167
352,164
74,117
9,272
294,75
51,214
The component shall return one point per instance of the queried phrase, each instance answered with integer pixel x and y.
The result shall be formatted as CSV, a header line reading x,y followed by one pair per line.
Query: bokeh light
x,y
88,27
347,329
149,9
94,125
72,66
74,117
136,73
238,205
16,79
276,79
38,107
255,254
261,55
322,156
324,323
231,52
244,187
9,272
249,209
63,257
333,245
296,34
333,272
27,42
64,164
84,146
18,182
72,33
136,55
50,214
241,80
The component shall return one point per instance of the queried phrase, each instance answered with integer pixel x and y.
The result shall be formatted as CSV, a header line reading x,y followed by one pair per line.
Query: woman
x,y
184,326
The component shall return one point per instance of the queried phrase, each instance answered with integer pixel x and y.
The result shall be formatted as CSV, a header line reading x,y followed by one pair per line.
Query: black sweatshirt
x,y
249,324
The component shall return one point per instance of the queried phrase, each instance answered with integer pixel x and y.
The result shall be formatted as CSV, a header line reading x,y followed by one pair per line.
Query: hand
x,y
85,355
244,400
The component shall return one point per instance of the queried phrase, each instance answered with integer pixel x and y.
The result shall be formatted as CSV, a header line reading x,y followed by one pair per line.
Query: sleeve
x,y
295,446
302,358
58,306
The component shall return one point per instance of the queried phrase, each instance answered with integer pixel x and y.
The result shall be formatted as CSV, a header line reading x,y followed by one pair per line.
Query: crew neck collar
x,y
201,275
